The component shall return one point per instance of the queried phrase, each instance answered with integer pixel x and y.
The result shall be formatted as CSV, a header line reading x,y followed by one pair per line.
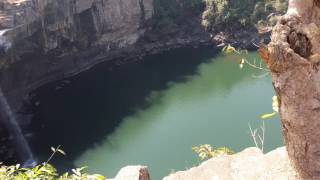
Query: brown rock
x,y
133,173
250,164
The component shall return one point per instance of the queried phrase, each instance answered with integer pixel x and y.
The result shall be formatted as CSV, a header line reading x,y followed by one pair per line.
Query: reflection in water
x,y
213,107
152,113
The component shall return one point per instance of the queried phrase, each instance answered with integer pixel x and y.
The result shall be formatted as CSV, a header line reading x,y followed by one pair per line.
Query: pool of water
x,y
153,112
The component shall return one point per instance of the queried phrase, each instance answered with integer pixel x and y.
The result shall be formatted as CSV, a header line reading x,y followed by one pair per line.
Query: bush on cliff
x,y
240,13
169,14
45,171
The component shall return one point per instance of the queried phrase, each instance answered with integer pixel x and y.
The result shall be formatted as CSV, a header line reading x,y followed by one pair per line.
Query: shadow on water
x,y
79,112
152,112
214,105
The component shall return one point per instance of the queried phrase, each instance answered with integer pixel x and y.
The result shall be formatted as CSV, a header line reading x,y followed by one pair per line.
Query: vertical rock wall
x,y
43,40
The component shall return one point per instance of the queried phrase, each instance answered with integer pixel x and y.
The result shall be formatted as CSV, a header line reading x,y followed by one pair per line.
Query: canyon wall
x,y
44,40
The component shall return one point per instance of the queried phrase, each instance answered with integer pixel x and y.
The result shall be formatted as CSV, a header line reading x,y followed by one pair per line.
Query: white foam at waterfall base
x,y
9,119
4,42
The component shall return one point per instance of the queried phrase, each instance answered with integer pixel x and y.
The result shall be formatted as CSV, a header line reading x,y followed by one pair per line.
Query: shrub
x,y
206,151
45,171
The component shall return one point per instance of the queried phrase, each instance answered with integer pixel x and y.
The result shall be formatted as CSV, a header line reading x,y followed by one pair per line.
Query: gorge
x,y
43,41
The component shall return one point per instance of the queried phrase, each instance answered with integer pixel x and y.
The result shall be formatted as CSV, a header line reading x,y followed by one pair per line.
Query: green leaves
x,y
45,171
42,172
61,152
229,49
267,116
55,150
96,177
206,151
275,107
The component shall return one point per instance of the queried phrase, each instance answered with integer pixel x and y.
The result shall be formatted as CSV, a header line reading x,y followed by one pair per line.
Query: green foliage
x,y
45,171
275,107
206,151
224,12
243,13
228,49
168,13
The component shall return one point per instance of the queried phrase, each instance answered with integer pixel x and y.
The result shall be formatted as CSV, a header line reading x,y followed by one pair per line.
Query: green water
x,y
214,105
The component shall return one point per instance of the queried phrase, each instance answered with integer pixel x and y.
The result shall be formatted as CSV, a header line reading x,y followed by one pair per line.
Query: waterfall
x,y
9,120
5,44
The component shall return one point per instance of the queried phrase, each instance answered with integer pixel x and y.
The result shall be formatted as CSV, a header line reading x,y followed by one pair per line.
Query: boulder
x,y
133,173
250,164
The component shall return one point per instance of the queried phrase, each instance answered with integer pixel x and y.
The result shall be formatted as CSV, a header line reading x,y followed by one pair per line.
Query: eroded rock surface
x,y
46,40
43,40
250,164
133,173
90,22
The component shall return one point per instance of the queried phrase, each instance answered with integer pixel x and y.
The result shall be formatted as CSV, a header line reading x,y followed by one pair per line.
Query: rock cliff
x,y
43,40
46,40
250,164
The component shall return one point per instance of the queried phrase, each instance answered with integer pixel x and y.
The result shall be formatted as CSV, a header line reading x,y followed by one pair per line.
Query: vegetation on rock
x,y
243,13
206,151
45,171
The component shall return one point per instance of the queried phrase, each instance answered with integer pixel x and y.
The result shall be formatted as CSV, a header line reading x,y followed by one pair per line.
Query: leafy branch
x,y
244,61
206,151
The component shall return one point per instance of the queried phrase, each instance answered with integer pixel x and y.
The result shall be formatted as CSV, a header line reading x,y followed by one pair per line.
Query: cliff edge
x,y
250,164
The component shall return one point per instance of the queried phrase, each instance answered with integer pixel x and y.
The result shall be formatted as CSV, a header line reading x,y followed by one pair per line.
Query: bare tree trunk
x,y
293,56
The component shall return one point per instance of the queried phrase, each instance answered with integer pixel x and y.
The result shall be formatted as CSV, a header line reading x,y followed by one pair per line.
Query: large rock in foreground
x,y
250,164
133,173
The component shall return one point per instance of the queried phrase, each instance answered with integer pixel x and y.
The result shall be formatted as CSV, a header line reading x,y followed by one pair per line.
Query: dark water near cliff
x,y
152,112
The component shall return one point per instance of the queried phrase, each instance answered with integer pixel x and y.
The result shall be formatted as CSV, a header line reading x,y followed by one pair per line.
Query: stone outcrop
x,y
250,164
55,22
133,173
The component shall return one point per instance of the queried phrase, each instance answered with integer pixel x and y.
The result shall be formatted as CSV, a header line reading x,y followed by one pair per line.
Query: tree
x,y
293,57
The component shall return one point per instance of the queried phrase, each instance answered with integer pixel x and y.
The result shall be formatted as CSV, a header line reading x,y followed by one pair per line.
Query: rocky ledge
x,y
250,164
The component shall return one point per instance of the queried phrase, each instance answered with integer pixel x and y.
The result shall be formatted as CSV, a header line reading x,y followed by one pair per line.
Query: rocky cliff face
x,y
42,40
58,23
46,40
